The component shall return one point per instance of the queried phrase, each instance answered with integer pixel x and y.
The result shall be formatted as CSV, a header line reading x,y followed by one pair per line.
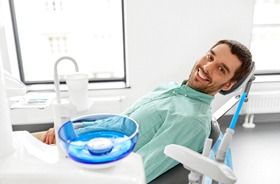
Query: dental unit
x,y
88,156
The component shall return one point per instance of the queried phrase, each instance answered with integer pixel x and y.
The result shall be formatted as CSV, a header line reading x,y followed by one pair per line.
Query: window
x,y
89,31
265,43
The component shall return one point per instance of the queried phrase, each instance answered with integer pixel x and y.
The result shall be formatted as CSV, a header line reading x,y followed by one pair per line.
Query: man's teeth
x,y
202,75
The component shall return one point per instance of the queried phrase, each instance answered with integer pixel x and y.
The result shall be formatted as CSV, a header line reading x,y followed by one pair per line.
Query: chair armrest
x,y
202,164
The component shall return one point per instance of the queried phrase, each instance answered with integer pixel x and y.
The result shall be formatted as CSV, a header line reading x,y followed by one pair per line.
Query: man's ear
x,y
228,85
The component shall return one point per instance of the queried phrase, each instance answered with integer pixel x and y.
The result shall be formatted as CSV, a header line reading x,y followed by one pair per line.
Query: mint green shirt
x,y
171,114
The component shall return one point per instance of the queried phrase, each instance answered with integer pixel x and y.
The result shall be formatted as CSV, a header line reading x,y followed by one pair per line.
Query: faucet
x,y
56,79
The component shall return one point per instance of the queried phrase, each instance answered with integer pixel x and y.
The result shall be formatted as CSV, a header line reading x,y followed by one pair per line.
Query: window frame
x,y
96,80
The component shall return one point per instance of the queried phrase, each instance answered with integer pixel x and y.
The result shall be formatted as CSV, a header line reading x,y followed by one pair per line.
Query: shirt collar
x,y
194,94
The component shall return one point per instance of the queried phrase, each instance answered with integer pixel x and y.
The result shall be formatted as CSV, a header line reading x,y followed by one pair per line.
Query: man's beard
x,y
209,88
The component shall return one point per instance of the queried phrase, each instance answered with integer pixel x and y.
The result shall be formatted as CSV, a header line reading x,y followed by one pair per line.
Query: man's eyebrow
x,y
226,67
212,52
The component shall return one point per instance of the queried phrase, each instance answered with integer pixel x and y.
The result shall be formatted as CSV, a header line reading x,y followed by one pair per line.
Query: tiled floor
x,y
256,153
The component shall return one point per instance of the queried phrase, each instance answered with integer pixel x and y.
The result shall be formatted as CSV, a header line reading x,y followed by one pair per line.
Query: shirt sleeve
x,y
184,131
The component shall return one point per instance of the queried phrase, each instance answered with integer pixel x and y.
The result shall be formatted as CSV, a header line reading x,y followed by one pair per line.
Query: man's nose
x,y
208,67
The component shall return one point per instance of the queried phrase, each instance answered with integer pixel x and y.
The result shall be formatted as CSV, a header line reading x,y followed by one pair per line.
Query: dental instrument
x,y
222,151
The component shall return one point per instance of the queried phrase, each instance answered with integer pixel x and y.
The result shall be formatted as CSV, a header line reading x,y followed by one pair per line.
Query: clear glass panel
x,y
90,31
265,48
265,44
267,12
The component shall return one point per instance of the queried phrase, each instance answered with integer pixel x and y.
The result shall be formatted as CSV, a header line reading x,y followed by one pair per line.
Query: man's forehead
x,y
221,47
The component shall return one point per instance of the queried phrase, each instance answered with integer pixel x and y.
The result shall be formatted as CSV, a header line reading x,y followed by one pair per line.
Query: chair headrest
x,y
244,80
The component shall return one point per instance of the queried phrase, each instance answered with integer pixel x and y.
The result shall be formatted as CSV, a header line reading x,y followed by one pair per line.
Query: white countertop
x,y
35,162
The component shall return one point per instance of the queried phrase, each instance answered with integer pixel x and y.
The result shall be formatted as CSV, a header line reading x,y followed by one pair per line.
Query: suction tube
x,y
237,112
222,151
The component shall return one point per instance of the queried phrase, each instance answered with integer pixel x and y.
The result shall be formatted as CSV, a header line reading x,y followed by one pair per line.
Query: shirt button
x,y
174,92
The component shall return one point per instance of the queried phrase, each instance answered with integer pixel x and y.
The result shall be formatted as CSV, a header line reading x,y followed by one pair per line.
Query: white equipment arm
x,y
198,162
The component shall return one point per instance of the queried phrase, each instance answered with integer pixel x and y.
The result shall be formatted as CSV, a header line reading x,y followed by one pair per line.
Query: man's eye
x,y
210,57
222,69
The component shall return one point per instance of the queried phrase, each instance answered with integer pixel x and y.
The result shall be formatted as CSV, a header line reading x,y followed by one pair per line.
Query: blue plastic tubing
x,y
236,114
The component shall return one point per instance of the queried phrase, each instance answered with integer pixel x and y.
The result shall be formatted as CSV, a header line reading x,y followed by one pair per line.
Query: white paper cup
x,y
78,90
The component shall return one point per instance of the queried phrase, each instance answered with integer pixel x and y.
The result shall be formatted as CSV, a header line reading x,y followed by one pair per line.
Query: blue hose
x,y
236,114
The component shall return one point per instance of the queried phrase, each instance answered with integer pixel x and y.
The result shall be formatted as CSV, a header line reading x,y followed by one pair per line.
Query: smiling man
x,y
215,71
181,114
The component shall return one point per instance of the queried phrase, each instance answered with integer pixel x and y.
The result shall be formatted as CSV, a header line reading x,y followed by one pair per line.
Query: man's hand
x,y
49,137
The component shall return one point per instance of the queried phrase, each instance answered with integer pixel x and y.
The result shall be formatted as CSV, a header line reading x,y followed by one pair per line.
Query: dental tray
x,y
98,139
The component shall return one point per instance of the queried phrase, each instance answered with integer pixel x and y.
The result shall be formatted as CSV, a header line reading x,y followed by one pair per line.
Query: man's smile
x,y
202,76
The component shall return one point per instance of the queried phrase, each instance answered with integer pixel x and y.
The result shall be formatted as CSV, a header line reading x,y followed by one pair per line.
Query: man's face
x,y
214,71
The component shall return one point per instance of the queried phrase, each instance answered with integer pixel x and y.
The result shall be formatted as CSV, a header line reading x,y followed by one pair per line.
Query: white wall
x,y
164,38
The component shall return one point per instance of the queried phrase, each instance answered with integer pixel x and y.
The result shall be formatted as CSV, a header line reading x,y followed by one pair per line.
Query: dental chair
x,y
179,174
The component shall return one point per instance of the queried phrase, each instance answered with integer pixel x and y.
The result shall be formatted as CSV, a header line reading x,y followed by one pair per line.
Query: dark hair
x,y
243,54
